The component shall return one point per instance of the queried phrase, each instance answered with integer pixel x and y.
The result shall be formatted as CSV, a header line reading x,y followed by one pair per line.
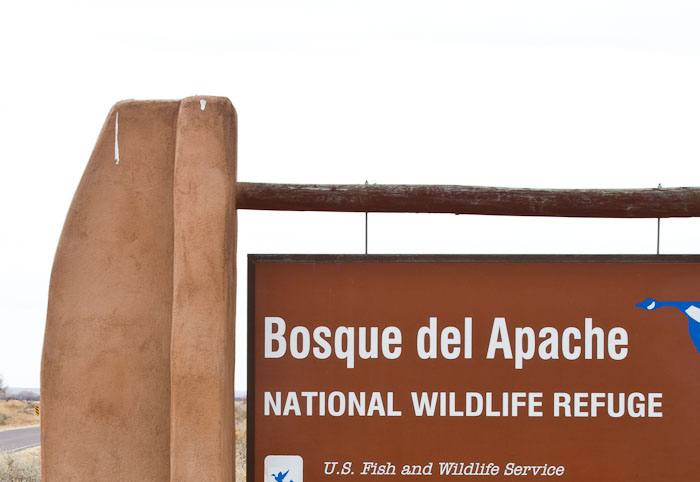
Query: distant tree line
x,y
25,395
3,389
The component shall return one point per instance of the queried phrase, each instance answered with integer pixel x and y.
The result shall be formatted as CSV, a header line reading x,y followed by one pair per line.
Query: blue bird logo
x,y
691,309
280,476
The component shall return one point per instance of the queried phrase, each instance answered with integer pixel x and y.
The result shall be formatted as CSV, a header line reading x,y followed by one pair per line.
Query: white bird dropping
x,y
116,139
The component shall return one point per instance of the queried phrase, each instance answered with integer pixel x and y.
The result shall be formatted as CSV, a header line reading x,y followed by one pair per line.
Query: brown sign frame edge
x,y
253,259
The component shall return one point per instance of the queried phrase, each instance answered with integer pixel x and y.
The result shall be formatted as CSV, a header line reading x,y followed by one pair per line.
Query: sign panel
x,y
571,368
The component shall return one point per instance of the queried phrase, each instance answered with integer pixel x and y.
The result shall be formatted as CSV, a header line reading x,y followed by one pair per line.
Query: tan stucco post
x,y
204,290
137,368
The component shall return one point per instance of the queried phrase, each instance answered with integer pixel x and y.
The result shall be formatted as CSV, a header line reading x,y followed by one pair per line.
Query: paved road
x,y
20,438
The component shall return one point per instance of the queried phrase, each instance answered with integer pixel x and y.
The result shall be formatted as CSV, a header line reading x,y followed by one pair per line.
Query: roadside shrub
x,y
24,466
17,413
241,430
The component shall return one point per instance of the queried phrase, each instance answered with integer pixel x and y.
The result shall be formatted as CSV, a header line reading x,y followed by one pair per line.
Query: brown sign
x,y
571,368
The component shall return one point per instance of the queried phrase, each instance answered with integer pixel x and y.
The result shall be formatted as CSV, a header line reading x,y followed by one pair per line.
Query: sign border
x,y
254,259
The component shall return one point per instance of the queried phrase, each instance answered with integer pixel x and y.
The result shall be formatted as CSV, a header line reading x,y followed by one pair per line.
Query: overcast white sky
x,y
507,93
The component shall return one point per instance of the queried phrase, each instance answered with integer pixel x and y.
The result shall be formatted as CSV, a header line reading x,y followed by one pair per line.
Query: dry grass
x,y
23,466
17,413
241,430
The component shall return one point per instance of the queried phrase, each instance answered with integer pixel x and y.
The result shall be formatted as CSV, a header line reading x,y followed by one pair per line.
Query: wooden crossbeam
x,y
403,198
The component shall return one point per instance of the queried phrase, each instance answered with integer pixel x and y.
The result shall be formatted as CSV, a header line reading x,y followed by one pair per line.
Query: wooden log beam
x,y
395,198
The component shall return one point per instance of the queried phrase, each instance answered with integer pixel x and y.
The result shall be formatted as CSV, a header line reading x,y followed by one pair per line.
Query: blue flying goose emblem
x,y
280,476
691,309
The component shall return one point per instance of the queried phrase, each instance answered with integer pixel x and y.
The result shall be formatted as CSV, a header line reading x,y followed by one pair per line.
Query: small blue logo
x,y
284,468
691,309
280,476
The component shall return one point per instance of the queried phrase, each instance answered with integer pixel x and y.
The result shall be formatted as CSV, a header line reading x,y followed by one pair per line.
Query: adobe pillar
x,y
204,290
137,368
